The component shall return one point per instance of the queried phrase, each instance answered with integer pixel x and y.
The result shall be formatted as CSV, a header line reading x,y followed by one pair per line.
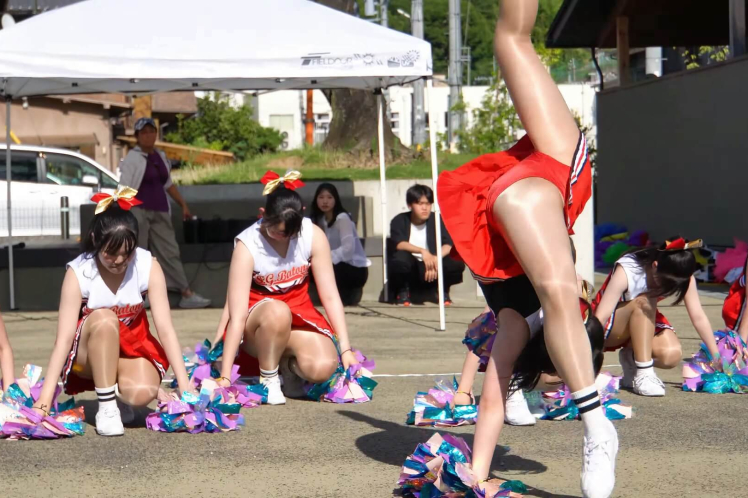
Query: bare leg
x,y
539,104
138,381
530,213
98,348
666,350
313,356
470,367
635,322
267,333
511,338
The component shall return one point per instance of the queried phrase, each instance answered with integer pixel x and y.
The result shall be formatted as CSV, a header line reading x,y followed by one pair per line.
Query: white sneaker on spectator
x,y
195,301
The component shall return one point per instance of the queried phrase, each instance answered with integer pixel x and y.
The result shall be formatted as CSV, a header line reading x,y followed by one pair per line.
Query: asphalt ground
x,y
684,444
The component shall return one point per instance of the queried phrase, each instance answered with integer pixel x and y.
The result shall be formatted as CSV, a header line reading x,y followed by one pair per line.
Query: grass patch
x,y
315,164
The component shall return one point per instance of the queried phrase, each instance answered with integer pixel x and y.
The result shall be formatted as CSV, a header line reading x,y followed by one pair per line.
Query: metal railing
x,y
44,220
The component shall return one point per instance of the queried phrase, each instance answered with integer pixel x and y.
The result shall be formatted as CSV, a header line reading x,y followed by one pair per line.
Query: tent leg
x,y
383,188
8,178
437,212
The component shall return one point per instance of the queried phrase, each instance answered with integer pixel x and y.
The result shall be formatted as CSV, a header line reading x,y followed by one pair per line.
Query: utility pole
x,y
383,17
419,109
455,69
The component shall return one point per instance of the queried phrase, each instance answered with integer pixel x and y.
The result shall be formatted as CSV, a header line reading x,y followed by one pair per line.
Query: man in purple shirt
x,y
147,170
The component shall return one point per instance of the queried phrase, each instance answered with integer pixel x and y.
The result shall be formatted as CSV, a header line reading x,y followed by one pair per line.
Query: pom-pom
x,y
480,336
352,385
441,467
19,421
435,407
726,374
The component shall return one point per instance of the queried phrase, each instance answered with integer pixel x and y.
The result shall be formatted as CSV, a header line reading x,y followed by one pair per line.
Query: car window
x,y
107,181
68,170
22,166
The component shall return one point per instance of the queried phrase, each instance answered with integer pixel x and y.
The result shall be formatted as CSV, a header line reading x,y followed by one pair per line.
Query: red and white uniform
x,y
467,195
135,338
285,278
637,285
734,307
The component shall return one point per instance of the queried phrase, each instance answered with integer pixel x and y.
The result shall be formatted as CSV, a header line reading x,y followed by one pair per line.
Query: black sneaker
x,y
403,297
447,299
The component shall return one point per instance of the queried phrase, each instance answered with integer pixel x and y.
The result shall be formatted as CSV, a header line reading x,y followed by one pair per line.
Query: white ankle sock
x,y
106,397
593,418
644,368
267,374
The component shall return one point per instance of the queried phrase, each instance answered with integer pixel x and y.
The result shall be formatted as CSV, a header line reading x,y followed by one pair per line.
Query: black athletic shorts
x,y
515,293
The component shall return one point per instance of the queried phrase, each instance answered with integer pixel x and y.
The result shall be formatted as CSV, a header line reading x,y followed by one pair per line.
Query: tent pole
x,y
8,179
383,188
437,212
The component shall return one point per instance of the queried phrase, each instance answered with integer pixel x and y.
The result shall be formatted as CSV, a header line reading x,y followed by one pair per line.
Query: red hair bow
x,y
585,308
123,196
272,180
680,244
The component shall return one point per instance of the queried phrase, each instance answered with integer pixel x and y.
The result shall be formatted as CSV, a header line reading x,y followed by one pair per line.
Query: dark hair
x,y
414,194
673,273
336,210
284,206
534,359
111,230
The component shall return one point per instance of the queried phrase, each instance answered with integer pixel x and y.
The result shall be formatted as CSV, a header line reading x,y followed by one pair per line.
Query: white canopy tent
x,y
188,45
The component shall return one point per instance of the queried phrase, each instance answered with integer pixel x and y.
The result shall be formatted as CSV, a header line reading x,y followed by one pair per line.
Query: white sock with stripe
x,y
644,368
106,397
593,418
268,374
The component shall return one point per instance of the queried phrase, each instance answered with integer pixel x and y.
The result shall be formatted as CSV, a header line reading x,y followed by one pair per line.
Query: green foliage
x,y
494,125
703,56
478,23
219,126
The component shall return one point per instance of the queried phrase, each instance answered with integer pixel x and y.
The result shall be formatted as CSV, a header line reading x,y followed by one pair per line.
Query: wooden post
x,y
622,44
142,107
309,117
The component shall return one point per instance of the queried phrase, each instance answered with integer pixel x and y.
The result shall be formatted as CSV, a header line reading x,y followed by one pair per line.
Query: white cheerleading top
x,y
127,303
635,275
273,273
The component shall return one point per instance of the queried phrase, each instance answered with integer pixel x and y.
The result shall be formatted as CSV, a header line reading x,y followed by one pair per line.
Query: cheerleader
x,y
269,312
103,338
734,306
521,205
6,358
627,305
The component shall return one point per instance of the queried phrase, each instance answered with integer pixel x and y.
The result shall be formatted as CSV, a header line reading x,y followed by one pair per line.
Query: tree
x,y
220,126
354,114
494,125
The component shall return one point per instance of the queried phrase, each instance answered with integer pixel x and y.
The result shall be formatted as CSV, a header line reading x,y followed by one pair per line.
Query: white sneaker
x,y
195,301
275,395
293,385
626,358
517,411
649,384
599,466
109,422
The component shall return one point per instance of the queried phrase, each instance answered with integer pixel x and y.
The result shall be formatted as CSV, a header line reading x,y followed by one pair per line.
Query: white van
x,y
40,177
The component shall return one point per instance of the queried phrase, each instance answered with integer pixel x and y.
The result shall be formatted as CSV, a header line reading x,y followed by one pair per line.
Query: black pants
x,y
351,281
405,269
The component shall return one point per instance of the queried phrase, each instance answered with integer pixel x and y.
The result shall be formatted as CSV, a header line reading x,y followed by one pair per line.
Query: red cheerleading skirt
x,y
304,316
467,195
135,341
732,309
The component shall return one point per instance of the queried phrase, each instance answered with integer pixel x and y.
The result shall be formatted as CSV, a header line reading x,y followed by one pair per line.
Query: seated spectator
x,y
348,257
414,263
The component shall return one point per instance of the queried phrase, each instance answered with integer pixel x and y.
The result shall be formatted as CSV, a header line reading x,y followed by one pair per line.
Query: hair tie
x,y
272,180
124,196
680,244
